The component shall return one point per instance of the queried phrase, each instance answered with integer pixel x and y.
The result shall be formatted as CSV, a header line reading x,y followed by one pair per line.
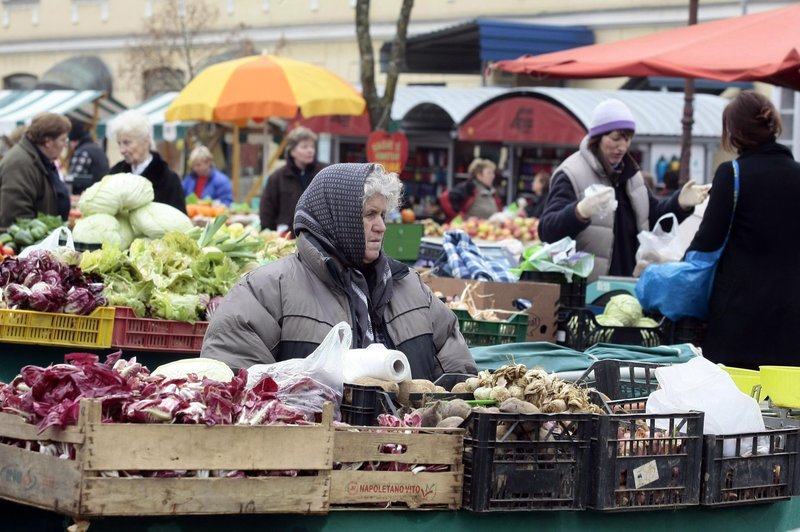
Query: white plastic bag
x,y
703,386
658,245
323,365
51,242
594,190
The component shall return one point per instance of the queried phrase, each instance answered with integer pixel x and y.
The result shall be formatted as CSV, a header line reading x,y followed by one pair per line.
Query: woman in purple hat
x,y
604,219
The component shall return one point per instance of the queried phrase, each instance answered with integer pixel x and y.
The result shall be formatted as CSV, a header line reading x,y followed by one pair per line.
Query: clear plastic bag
x,y
308,382
52,242
658,245
559,257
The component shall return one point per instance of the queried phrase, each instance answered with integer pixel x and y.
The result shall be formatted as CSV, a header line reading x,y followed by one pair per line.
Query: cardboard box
x,y
490,295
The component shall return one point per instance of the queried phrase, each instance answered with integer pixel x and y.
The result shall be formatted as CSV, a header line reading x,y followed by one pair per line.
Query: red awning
x,y
522,119
338,125
759,47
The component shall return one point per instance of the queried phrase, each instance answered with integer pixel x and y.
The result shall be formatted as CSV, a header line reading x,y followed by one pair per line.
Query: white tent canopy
x,y
18,107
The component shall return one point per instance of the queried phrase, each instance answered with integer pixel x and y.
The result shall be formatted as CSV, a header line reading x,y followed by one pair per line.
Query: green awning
x,y
18,107
153,108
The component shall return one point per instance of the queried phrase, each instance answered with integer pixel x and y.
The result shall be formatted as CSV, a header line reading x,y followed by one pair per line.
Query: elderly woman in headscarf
x,y
340,273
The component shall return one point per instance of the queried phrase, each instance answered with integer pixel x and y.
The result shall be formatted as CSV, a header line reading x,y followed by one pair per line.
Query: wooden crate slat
x,y
159,447
39,480
422,489
191,496
433,448
13,426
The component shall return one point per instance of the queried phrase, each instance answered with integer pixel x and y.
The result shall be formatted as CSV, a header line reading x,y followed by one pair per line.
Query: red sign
x,y
389,150
522,119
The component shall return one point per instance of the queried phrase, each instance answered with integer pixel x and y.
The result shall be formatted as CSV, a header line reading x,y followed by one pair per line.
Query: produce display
x,y
120,208
26,232
622,311
519,227
48,282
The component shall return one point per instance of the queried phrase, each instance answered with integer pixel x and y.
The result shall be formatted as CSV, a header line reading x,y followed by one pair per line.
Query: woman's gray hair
x,y
132,123
387,184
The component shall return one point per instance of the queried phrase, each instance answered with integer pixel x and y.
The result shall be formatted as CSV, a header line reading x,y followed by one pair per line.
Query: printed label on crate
x,y
645,474
423,492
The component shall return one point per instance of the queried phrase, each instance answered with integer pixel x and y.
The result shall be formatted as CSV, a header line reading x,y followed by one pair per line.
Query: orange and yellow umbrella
x,y
263,87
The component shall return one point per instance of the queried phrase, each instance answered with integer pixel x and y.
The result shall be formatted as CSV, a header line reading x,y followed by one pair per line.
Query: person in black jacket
x,y
755,300
87,157
132,133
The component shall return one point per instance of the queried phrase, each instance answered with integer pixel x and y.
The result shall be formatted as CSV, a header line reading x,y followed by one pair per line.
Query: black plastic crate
x,y
688,331
621,380
573,294
361,405
646,461
545,468
767,473
582,332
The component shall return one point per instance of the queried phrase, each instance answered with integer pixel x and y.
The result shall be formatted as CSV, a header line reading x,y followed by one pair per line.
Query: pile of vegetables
x,y
170,277
26,232
120,208
50,396
44,282
622,310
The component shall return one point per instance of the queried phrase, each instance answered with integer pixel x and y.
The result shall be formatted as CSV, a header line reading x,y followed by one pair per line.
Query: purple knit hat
x,y
611,115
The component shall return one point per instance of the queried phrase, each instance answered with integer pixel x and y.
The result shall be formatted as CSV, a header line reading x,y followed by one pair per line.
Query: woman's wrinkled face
x,y
614,146
202,168
52,148
374,227
304,153
132,148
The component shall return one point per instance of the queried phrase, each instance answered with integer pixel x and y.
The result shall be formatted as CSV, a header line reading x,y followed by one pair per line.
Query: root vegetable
x,y
439,389
451,422
461,387
472,384
482,393
516,391
430,416
517,406
457,407
387,386
499,394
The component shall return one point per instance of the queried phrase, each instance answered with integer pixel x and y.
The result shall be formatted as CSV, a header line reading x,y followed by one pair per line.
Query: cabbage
x,y
116,193
202,367
125,232
608,321
624,308
96,229
647,322
157,219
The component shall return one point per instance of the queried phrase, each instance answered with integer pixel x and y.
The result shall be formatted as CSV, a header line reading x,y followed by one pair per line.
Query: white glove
x,y
600,204
692,194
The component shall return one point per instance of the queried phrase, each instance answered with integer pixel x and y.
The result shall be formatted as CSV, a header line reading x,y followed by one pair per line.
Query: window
x,y
788,103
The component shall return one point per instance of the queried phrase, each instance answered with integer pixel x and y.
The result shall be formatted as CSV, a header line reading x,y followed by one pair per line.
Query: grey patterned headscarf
x,y
331,210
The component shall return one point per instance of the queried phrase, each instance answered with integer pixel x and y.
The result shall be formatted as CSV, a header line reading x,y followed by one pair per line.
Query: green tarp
x,y
556,358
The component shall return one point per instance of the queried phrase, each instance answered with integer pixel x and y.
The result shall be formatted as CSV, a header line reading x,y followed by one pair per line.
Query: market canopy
x,y
466,47
153,108
18,107
758,47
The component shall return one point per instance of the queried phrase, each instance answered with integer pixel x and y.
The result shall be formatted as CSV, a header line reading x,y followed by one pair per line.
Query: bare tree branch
x,y
379,108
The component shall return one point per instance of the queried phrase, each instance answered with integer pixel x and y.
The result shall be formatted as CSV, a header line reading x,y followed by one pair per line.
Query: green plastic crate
x,y
484,332
402,241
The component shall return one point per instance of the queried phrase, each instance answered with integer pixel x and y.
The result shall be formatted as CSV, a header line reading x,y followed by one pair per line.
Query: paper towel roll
x,y
377,362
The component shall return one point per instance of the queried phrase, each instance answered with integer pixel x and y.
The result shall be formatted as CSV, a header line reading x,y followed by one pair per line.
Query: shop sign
x,y
390,150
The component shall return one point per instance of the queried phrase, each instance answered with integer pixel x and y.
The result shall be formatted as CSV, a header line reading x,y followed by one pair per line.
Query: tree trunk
x,y
688,112
379,108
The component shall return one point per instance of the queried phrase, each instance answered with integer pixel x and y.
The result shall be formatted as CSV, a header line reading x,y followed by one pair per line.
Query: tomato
x,y
5,250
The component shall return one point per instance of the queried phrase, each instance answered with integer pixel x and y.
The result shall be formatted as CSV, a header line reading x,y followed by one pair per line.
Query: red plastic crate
x,y
148,334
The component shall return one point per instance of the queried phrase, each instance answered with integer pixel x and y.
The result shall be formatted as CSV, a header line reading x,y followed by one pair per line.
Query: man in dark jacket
x,y
286,185
88,159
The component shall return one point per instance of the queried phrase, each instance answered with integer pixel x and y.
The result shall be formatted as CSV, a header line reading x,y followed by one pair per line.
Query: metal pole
x,y
688,110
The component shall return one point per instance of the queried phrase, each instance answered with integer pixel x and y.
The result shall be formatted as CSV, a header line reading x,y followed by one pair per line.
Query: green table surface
x,y
780,516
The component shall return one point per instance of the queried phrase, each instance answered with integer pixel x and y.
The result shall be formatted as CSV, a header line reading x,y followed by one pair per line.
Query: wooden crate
x,y
360,490
76,487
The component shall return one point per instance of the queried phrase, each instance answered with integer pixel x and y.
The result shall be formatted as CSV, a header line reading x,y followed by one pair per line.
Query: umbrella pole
x,y
265,156
688,112
235,165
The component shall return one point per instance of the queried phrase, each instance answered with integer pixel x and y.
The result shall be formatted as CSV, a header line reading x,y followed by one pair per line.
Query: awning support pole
x,y
688,111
